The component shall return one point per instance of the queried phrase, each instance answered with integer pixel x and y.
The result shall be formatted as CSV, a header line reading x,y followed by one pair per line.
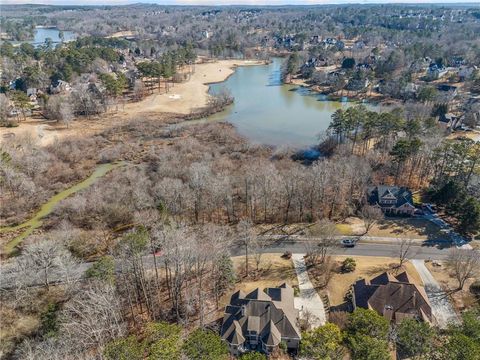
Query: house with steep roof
x,y
261,320
436,71
393,200
394,297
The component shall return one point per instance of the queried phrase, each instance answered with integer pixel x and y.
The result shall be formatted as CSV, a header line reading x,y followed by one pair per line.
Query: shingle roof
x,y
401,194
257,294
270,318
394,297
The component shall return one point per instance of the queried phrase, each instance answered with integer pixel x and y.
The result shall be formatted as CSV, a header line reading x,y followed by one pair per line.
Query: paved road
x,y
442,309
296,246
362,249
309,298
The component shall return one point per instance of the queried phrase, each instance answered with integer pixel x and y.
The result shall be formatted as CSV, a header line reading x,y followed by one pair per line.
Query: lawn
x,y
407,227
273,271
461,299
393,227
367,267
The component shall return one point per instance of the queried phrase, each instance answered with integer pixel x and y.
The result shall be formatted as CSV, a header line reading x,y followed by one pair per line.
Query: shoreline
x,y
235,66
183,100
355,98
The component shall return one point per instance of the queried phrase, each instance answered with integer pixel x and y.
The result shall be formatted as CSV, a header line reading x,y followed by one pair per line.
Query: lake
x,y
266,111
42,33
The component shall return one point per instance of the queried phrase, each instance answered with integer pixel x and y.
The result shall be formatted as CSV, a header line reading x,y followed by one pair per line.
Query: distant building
x,y
449,120
450,89
466,72
393,200
411,89
394,297
59,86
261,320
357,84
456,61
435,71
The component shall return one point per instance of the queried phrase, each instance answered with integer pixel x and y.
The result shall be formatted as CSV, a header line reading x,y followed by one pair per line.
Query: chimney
x,y
244,308
414,298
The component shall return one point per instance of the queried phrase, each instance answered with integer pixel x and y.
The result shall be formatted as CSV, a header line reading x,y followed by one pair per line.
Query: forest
x,y
140,264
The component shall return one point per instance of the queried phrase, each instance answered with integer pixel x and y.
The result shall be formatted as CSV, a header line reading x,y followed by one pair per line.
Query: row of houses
x,y
263,320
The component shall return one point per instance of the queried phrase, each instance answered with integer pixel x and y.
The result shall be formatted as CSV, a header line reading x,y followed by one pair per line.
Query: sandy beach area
x,y
182,98
189,96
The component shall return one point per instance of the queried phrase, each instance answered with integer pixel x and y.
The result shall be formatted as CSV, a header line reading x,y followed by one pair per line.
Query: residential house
x,y
421,64
394,297
435,71
410,90
261,320
393,200
447,91
465,72
449,120
357,84
60,86
359,45
456,61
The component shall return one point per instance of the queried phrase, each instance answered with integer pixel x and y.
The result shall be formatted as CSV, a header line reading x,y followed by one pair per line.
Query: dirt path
x,y
441,307
309,298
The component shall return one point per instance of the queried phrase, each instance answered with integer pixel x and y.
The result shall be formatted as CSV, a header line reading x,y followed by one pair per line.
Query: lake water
x,y
41,34
266,111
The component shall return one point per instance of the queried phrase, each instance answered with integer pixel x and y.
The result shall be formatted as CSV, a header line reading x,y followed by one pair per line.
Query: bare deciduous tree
x,y
465,264
246,237
92,317
370,216
404,250
44,258
327,233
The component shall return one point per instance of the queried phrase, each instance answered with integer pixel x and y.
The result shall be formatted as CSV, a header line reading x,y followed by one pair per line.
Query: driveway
x,y
442,309
453,236
309,298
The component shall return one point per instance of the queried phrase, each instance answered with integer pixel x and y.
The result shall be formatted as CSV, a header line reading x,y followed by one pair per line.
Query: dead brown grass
x,y
18,323
367,267
273,271
462,299
395,227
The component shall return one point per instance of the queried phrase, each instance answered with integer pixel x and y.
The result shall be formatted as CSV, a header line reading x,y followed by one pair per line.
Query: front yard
x,y
395,227
462,299
273,271
366,267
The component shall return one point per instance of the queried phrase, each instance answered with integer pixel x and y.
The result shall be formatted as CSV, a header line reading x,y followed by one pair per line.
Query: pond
x,y
266,111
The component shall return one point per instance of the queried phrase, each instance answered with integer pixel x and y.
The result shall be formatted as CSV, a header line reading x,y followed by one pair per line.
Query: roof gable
x,y
394,297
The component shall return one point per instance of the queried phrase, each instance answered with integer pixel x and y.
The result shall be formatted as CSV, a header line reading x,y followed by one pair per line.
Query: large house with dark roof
x,y
393,200
394,297
261,320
